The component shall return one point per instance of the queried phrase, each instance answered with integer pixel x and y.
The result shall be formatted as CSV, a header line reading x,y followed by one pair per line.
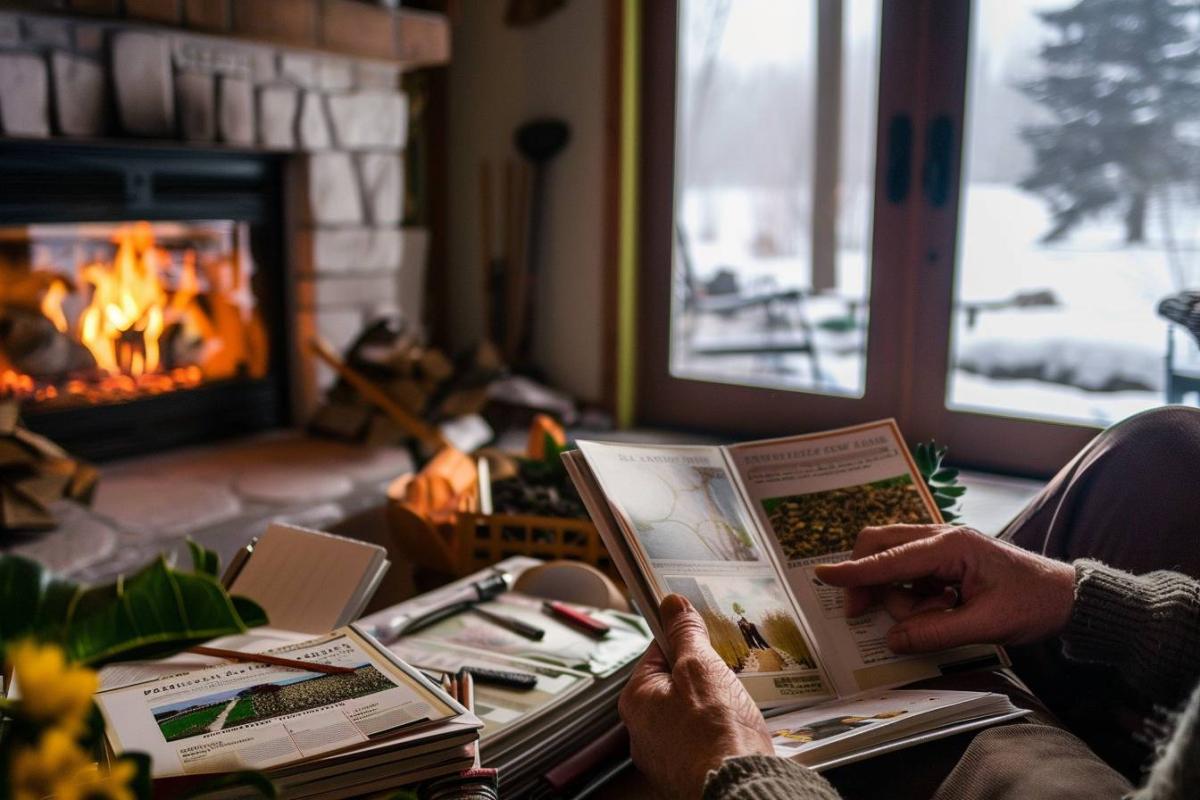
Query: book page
x,y
813,495
689,533
502,709
279,577
829,731
249,715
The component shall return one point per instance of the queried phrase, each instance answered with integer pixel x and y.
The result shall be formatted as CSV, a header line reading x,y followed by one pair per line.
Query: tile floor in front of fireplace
x,y
221,495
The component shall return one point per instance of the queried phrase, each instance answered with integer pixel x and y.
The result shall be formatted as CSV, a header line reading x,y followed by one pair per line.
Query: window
x,y
964,215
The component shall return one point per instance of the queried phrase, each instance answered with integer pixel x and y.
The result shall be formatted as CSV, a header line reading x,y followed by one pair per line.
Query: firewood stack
x,y
421,387
34,472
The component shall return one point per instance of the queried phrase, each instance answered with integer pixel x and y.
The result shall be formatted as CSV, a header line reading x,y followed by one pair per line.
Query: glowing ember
x,y
146,319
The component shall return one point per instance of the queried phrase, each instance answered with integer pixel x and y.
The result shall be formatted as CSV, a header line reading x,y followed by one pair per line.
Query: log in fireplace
x,y
143,301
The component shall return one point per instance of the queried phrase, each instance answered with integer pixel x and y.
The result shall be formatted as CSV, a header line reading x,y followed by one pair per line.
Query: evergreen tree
x,y
1121,81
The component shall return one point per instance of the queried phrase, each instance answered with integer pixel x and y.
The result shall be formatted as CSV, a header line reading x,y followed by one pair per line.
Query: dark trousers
x,y
1127,499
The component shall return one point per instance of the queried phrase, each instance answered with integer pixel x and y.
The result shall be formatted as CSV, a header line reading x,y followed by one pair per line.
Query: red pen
x,y
586,623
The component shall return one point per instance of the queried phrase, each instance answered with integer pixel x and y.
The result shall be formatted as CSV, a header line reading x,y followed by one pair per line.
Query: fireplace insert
x,y
142,295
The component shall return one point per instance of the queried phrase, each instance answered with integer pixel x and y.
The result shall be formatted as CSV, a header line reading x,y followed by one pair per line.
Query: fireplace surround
x,y
54,190
108,115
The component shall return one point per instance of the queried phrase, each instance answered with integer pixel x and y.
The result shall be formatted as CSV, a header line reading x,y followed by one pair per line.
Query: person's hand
x,y
685,719
948,586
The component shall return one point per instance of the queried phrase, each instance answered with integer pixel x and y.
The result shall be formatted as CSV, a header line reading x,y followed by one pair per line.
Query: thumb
x,y
939,630
683,626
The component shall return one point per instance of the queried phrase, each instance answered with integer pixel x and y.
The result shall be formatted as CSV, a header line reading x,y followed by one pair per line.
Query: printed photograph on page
x,y
814,495
251,715
689,529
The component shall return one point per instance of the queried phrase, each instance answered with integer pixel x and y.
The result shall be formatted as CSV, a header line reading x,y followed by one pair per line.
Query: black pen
x,y
508,623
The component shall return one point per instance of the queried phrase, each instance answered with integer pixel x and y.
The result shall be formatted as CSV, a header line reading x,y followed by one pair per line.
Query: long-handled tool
x,y
538,141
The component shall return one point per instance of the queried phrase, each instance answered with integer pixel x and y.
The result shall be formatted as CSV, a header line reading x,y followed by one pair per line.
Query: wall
x,y
501,77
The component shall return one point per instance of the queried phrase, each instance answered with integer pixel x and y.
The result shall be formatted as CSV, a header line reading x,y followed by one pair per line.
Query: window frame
x,y
665,400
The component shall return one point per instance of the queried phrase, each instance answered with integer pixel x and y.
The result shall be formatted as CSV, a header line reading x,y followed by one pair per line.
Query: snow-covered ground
x,y
1095,356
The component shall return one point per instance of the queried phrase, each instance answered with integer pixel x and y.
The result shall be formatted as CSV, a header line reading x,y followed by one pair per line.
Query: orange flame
x,y
122,324
133,300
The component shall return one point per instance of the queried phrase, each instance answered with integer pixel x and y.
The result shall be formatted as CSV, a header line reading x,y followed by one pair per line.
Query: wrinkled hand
x,y
687,718
948,586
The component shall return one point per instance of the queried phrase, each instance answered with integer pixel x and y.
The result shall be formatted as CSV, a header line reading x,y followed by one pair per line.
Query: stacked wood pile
x,y
392,389
34,472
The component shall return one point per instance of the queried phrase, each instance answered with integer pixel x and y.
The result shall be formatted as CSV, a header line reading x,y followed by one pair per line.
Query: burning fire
x,y
140,306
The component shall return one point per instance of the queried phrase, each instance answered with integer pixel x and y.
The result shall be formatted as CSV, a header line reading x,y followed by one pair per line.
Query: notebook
x,y
309,581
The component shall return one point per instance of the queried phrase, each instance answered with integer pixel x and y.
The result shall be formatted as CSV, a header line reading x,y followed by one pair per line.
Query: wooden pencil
x,y
265,658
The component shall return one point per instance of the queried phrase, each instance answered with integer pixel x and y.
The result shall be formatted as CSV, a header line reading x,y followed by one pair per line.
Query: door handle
x,y
899,158
939,154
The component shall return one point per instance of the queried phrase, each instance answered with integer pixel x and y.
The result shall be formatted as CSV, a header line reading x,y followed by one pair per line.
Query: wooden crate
x,y
473,541
484,539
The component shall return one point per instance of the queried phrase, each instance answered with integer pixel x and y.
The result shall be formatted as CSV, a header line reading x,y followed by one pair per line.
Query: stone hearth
x,y
221,496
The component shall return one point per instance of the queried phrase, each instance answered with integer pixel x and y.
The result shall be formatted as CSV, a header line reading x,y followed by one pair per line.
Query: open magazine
x,y
739,530
249,715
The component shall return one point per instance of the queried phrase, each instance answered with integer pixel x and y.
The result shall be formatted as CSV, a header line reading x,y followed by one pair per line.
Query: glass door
x,y
783,223
1060,299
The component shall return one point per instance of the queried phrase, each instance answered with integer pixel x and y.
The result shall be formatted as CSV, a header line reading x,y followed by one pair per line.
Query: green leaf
x,y
945,502
951,491
204,561
156,612
34,601
252,614
921,456
246,779
946,475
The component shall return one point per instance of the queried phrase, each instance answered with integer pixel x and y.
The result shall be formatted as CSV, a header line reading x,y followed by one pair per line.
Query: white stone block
x,y
339,327
78,95
196,92
357,291
298,68
333,195
335,74
24,95
313,127
372,119
141,65
235,110
277,116
343,250
382,176
378,75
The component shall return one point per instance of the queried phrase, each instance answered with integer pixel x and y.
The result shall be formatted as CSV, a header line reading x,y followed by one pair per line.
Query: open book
x,y
739,529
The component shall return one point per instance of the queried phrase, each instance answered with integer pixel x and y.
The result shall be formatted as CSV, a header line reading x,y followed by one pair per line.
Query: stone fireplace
x,y
189,192
142,302
339,123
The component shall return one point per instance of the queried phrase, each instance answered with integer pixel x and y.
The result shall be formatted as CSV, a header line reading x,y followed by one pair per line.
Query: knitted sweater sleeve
x,y
766,778
1146,626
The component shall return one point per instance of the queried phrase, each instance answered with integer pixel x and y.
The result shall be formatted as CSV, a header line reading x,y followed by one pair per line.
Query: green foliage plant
x,y
941,480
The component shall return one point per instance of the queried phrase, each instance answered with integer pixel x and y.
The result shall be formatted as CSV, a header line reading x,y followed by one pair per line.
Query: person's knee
x,y
1159,432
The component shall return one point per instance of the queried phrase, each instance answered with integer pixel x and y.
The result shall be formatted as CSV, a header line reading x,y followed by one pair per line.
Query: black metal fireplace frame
x,y
42,182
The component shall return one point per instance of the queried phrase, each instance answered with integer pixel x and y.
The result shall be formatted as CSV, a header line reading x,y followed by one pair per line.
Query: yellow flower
x,y
37,771
52,691
58,768
93,783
